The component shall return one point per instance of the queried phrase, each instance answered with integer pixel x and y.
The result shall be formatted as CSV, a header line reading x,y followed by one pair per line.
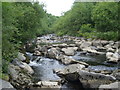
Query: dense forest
x,y
91,20
22,22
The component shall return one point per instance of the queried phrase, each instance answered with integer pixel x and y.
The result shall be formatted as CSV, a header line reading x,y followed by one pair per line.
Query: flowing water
x,y
44,67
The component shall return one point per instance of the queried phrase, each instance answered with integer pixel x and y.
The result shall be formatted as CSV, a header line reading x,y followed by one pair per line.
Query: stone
x,y
93,80
37,53
67,60
111,86
93,51
104,42
70,51
110,50
112,57
85,44
64,45
97,43
4,85
21,56
22,65
116,74
53,52
49,84
27,68
70,72
19,78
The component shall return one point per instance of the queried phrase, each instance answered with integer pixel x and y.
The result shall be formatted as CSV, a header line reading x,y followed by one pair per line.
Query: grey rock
x,y
53,52
67,60
19,77
21,56
70,72
93,80
5,85
70,51
111,86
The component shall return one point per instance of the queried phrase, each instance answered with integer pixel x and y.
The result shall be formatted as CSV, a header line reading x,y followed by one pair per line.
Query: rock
x,y
93,51
37,53
70,72
23,65
19,78
72,45
64,45
48,84
110,50
116,74
27,68
117,44
104,42
85,44
93,80
70,51
112,86
53,52
21,56
108,46
97,43
4,85
112,57
67,60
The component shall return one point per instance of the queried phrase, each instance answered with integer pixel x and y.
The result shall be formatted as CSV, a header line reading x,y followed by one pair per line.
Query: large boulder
x,y
93,80
70,72
19,78
4,85
112,86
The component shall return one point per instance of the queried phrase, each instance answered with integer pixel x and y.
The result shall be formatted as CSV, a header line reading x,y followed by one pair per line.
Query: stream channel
x,y
44,67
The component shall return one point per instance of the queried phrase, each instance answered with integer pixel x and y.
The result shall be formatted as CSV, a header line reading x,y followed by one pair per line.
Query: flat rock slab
x,y
112,86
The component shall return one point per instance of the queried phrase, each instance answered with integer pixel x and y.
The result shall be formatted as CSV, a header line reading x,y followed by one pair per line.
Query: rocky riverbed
x,y
67,62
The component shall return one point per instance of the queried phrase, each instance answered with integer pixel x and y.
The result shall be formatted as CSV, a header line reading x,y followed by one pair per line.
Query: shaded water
x,y
97,62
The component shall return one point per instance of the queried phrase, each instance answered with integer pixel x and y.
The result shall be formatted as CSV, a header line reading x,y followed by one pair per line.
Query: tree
x,y
105,16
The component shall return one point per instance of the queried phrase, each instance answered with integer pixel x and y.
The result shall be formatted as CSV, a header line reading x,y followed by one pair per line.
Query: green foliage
x,y
21,22
72,20
90,20
108,35
105,16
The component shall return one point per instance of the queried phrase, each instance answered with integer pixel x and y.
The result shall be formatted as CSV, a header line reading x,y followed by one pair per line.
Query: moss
x,y
4,76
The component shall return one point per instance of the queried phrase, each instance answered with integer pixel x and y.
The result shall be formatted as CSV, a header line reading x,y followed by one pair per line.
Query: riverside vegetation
x,y
22,22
